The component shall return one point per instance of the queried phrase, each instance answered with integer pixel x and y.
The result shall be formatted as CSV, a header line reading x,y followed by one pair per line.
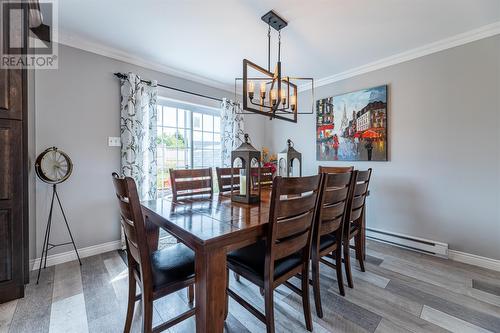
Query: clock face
x,y
53,166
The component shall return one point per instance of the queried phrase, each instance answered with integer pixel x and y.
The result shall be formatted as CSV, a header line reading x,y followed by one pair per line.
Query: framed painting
x,y
352,126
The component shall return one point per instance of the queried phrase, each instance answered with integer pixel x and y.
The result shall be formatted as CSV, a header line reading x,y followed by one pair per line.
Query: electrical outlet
x,y
114,141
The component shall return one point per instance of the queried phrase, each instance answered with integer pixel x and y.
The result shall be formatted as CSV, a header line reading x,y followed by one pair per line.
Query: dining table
x,y
211,227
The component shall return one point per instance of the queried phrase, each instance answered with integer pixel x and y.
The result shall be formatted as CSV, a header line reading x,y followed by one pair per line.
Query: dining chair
x,y
354,224
328,230
191,182
224,180
329,169
266,177
285,251
158,272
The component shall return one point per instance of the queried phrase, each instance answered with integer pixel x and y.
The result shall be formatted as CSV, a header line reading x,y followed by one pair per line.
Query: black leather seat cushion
x,y
172,264
326,241
252,259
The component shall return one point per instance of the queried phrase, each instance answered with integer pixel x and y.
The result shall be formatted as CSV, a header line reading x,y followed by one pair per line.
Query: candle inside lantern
x,y
243,182
283,96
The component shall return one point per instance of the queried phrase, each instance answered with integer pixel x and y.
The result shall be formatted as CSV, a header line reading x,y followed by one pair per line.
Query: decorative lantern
x,y
248,155
286,160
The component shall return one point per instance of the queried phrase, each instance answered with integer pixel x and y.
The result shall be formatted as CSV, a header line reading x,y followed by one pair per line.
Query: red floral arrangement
x,y
271,166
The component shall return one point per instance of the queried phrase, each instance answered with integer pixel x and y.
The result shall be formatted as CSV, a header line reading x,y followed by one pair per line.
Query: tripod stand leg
x,y
69,231
46,238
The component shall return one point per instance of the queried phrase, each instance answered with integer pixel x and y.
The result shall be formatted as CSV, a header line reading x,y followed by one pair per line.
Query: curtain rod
x,y
124,76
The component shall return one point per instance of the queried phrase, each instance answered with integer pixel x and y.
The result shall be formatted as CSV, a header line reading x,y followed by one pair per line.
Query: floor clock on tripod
x,y
53,167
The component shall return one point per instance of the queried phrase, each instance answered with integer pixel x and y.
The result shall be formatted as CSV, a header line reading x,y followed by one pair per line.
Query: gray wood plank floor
x,y
401,291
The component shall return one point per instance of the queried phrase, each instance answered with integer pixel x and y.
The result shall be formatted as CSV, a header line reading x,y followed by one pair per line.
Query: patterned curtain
x,y
232,130
138,134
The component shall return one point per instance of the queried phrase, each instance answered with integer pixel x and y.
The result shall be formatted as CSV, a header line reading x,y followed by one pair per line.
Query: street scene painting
x,y
352,126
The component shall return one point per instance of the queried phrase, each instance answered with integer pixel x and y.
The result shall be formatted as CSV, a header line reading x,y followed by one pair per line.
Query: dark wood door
x,y
14,271
11,210
11,94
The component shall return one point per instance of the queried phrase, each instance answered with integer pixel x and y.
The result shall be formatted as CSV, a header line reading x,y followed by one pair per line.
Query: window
x,y
188,137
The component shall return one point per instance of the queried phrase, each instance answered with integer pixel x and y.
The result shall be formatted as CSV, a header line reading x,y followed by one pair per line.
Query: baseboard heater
x,y
408,242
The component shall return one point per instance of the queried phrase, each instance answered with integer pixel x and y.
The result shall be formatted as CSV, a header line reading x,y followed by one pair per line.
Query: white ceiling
x,y
210,38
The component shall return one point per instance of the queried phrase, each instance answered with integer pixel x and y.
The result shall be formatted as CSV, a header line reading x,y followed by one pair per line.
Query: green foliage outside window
x,y
171,140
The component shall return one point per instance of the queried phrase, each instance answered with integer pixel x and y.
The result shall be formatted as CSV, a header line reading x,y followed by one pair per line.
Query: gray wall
x,y
443,178
77,109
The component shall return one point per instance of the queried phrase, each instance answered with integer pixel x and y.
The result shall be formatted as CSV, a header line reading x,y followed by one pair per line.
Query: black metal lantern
x,y
247,154
286,160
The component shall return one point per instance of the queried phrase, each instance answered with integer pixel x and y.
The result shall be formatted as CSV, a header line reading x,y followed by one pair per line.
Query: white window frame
x,y
189,129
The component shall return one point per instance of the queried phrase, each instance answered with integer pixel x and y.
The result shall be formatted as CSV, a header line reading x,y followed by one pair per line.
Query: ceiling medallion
x,y
271,93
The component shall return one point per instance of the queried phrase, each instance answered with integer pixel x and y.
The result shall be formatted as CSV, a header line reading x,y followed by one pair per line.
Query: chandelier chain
x,y
279,45
269,46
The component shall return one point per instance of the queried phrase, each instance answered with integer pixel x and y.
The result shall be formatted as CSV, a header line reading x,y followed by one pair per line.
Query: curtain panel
x,y
138,135
232,129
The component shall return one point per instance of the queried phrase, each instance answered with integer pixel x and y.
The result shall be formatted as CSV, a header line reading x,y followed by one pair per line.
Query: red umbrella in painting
x,y
369,134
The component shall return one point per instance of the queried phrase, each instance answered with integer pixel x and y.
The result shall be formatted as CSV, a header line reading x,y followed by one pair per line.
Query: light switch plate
x,y
114,141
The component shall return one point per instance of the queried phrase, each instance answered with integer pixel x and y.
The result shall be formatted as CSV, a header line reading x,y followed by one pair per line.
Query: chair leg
x,y
347,264
227,296
131,302
316,287
358,245
305,297
269,306
147,312
236,277
338,268
190,291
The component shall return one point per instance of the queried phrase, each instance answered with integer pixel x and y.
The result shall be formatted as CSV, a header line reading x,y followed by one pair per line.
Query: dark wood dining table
x,y
211,227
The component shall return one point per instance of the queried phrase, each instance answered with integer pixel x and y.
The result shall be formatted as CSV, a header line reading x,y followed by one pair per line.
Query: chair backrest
x,y
328,169
132,221
291,217
224,179
333,204
266,177
359,193
191,182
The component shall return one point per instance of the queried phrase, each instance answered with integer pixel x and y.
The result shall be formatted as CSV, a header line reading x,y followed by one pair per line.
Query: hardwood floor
x,y
401,291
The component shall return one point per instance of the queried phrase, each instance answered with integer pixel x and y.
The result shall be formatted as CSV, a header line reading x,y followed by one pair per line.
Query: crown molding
x,y
444,44
441,45
84,44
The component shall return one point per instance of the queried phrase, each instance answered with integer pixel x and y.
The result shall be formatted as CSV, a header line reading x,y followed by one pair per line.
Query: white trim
x,y
447,43
60,258
167,100
84,44
409,242
472,259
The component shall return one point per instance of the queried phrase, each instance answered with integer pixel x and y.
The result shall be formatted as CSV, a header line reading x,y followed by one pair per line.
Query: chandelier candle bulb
x,y
293,102
262,90
283,96
251,88
274,98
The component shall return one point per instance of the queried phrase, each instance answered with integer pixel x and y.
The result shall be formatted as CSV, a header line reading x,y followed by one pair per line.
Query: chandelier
x,y
271,93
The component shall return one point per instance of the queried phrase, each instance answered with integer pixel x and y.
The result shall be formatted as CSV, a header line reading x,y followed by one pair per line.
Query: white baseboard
x,y
409,242
59,258
472,259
